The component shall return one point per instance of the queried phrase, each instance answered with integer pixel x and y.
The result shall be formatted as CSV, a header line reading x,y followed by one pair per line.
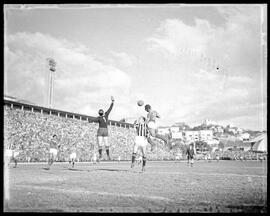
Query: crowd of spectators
x,y
31,132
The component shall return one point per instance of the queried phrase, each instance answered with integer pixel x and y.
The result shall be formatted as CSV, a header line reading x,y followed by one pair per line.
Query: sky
x,y
189,62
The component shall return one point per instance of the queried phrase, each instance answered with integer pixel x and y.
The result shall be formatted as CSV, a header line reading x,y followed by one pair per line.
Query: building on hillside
x,y
245,136
220,129
232,130
163,130
175,129
177,135
206,135
212,142
188,136
239,130
209,122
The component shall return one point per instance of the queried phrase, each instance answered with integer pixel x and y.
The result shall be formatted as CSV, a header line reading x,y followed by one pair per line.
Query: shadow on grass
x,y
114,170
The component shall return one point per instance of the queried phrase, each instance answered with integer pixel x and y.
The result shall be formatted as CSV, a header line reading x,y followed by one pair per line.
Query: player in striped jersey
x,y
140,140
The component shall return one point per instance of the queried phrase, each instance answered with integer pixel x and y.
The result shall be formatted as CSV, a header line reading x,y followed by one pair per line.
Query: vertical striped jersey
x,y
142,129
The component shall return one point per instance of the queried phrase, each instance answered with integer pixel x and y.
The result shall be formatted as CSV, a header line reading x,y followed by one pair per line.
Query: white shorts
x,y
8,153
73,155
15,154
11,153
152,125
140,142
53,151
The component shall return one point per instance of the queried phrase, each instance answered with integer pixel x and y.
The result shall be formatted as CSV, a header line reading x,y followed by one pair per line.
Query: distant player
x,y
140,141
151,122
190,154
241,158
72,156
54,147
11,155
217,158
94,158
261,158
102,133
119,158
209,158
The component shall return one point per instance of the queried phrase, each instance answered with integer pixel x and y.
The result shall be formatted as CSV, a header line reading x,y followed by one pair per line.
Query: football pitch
x,y
169,186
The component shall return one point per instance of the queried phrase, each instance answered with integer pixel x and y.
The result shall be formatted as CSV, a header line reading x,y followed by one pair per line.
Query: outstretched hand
x,y
112,98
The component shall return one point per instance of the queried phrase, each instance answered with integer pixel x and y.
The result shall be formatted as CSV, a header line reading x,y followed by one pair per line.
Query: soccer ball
x,y
140,103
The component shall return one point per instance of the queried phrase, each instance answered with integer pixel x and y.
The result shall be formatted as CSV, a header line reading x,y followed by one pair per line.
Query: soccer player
x,y
190,154
102,133
140,141
11,155
72,156
94,158
54,147
217,158
151,123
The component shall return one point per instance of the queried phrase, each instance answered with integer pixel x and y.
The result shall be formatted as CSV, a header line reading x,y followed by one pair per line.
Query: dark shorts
x,y
103,132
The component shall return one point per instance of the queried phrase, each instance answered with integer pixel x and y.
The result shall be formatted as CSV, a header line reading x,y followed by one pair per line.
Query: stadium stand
x,y
29,129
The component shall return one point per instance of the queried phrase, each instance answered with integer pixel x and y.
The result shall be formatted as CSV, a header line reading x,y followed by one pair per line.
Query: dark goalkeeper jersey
x,y
53,144
103,120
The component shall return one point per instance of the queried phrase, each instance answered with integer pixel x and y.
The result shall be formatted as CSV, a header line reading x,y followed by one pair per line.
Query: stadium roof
x,y
11,98
259,143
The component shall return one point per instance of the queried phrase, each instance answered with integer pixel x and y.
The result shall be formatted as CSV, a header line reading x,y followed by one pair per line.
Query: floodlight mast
x,y
52,69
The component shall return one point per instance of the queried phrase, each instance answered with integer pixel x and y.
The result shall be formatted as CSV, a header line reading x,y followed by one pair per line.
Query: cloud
x,y
124,59
81,82
194,52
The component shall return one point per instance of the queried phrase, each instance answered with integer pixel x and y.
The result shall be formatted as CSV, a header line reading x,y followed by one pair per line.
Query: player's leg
x,y
15,161
52,158
73,162
75,156
144,156
154,132
134,153
152,143
107,147
192,160
100,145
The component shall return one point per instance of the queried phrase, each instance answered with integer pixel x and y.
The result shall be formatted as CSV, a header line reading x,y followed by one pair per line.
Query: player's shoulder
x,y
154,112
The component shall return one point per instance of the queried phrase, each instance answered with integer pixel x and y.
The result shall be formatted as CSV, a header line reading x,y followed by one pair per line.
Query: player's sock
x,y
144,161
133,157
108,152
100,152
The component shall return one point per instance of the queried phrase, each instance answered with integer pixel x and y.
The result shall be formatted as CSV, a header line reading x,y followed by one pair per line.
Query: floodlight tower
x,y
52,65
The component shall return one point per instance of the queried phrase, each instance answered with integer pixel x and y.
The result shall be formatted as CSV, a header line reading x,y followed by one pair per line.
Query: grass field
x,y
225,186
